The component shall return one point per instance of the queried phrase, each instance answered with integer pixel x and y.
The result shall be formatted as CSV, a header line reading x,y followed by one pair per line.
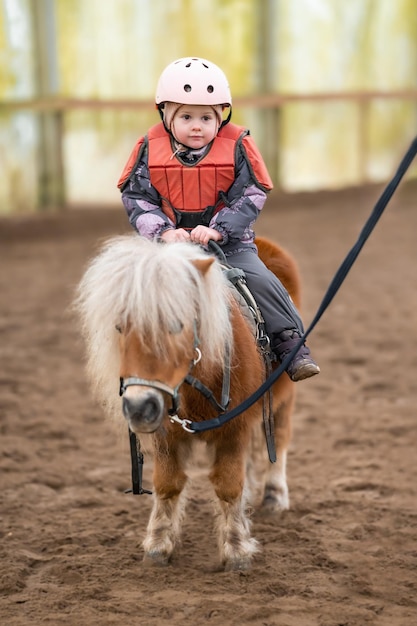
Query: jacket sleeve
x,y
244,201
143,203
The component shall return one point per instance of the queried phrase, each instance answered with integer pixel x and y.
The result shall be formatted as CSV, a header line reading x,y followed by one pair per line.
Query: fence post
x,y
363,146
51,194
270,121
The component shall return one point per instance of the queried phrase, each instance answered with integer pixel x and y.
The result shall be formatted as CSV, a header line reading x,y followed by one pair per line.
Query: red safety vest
x,y
191,195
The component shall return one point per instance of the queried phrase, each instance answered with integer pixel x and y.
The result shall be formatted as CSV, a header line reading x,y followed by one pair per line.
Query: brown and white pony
x,y
153,313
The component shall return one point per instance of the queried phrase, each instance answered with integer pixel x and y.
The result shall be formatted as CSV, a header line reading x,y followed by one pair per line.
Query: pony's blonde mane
x,y
155,288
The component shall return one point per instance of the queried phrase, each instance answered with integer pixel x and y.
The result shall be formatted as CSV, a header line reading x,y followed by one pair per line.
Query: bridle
x,y
173,392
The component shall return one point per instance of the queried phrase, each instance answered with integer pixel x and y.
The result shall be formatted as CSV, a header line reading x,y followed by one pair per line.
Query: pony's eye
x,y
118,328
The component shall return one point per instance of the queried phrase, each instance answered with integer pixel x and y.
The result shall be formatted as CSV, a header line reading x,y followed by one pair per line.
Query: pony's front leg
x,y
164,526
236,545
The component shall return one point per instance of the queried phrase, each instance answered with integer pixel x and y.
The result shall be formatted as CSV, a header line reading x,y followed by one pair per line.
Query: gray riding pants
x,y
277,308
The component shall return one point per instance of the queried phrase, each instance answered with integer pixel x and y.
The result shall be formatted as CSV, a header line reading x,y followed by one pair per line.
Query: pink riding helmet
x,y
192,80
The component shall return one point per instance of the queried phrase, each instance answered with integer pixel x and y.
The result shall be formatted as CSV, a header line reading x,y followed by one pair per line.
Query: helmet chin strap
x,y
160,108
227,120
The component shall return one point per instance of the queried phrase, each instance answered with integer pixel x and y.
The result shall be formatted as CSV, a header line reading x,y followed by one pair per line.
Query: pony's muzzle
x,y
144,412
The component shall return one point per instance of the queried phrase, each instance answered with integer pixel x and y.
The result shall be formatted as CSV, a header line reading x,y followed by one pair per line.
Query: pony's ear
x,y
203,265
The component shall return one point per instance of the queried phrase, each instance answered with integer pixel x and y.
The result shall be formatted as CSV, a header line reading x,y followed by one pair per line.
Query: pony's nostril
x,y
126,408
151,410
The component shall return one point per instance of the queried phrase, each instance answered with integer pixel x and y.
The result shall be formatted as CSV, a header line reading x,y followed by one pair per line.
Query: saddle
x,y
248,306
245,300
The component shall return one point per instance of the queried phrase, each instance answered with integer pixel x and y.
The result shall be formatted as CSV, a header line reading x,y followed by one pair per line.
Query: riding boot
x,y
302,365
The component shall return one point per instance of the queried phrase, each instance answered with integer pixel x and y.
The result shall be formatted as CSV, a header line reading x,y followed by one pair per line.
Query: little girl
x,y
195,176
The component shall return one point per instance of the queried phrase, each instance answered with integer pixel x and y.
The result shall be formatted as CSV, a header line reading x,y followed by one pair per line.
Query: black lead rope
x,y
328,297
136,457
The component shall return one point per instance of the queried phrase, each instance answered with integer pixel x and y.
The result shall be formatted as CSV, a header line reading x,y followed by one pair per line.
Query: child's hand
x,y
172,234
203,234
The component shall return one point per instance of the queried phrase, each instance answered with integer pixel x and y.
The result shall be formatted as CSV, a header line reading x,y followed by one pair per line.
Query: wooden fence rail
x,y
262,101
52,110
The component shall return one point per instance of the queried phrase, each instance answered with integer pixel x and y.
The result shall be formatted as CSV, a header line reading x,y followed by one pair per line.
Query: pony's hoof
x,y
242,564
276,500
156,559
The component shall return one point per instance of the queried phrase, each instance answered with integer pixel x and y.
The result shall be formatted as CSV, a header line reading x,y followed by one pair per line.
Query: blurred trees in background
x,y
301,73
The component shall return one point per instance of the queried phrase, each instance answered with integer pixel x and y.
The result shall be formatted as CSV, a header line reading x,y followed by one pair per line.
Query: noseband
x,y
160,386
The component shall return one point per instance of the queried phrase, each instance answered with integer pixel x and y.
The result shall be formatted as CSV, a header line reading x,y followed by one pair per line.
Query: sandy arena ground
x,y
346,552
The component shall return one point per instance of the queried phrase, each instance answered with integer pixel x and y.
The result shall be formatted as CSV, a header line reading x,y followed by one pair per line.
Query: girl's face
x,y
194,125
